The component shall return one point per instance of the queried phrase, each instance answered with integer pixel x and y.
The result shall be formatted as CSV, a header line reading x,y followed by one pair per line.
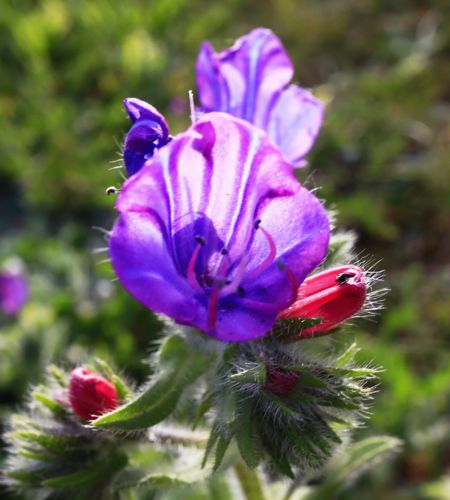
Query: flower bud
x,y
333,296
91,395
279,382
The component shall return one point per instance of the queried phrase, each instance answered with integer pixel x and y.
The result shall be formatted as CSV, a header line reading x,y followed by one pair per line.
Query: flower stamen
x,y
272,253
191,276
212,311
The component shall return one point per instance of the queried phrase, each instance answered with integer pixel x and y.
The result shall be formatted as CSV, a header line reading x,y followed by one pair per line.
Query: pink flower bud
x,y
279,382
91,395
333,295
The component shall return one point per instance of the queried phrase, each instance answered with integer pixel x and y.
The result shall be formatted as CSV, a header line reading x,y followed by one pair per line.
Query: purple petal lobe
x,y
213,230
243,79
295,121
250,80
13,292
149,132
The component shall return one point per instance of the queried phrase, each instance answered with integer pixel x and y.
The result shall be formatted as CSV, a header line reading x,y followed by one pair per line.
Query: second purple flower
x,y
250,80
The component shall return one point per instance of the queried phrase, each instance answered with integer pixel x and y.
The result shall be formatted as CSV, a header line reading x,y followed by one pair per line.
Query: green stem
x,y
165,434
250,482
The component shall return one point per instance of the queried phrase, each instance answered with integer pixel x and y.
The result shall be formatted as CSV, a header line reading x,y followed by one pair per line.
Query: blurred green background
x,y
382,160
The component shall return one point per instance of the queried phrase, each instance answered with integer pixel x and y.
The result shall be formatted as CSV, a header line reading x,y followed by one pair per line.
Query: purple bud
x,y
148,132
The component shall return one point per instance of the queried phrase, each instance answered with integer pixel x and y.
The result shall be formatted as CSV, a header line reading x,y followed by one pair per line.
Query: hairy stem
x,y
249,482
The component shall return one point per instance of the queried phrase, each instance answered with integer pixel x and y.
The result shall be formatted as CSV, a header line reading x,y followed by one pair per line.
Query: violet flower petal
x,y
186,243
295,121
13,292
149,132
249,80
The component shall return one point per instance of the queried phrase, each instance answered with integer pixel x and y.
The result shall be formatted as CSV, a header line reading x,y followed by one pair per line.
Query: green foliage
x,y
297,430
345,467
52,454
178,366
382,159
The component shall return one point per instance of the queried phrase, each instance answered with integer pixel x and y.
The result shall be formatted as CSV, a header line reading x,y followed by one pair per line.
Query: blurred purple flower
x,y
178,106
149,132
13,292
216,232
250,80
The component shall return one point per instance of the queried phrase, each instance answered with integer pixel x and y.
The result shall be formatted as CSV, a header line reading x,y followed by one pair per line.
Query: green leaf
x,y
58,375
213,437
50,442
255,375
281,462
348,465
340,402
31,475
245,434
249,482
162,481
122,389
49,403
347,356
205,405
306,378
363,372
280,404
37,455
284,329
179,367
92,473
222,445
219,438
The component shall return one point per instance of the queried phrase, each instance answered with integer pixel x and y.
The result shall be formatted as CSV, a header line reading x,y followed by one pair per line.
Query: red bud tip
x,y
333,295
91,395
279,382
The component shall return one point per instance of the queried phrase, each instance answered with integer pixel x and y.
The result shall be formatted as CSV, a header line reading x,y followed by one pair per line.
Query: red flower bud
x,y
333,295
279,382
91,395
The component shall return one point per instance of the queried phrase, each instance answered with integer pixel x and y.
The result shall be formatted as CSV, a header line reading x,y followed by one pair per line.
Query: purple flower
x,y
250,80
149,132
216,232
13,292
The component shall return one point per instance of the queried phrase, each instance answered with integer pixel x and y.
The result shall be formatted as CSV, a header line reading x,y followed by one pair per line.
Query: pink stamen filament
x,y
269,259
220,269
212,311
240,271
191,276
294,285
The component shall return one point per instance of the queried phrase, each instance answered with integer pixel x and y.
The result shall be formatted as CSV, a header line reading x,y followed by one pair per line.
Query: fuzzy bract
x,y
148,133
216,232
250,80
13,292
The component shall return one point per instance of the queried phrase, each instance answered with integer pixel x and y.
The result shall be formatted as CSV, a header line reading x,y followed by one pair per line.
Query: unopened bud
x,y
91,395
279,382
333,296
